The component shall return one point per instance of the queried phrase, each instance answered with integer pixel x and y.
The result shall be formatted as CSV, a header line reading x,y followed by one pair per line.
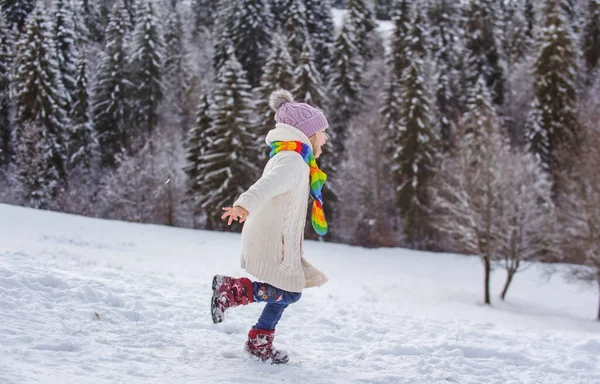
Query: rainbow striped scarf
x,y
317,179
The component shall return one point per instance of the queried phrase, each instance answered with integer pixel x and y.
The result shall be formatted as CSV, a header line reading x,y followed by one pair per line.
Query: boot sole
x,y
285,361
217,314
259,358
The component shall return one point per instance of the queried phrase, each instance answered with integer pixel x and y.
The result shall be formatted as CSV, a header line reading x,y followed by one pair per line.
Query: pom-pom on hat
x,y
307,119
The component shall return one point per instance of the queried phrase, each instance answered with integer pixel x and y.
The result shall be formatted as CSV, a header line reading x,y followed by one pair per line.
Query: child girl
x,y
274,212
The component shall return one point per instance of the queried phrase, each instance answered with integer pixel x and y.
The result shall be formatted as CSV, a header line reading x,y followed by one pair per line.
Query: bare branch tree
x,y
527,220
580,201
367,220
148,187
467,193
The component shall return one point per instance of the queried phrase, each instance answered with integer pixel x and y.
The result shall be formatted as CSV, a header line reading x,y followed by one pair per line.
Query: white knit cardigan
x,y
273,233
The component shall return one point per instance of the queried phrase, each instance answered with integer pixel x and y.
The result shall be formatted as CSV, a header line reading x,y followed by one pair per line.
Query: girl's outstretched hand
x,y
235,214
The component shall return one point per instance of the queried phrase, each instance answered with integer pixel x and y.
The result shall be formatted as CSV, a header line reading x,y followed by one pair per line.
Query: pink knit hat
x,y
307,119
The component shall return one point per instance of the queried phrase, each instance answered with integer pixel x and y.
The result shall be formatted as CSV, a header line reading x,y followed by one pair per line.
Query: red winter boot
x,y
260,344
229,292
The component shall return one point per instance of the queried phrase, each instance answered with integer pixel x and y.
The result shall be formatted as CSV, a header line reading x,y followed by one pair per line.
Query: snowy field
x,y
94,301
385,28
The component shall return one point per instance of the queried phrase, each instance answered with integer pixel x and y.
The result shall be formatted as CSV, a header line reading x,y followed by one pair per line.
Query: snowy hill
x,y
385,28
94,301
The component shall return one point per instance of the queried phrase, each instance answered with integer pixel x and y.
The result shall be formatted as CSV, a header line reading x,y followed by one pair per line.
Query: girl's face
x,y
318,141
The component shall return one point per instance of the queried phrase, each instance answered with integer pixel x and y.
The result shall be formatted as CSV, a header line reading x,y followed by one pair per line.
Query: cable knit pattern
x,y
307,119
273,233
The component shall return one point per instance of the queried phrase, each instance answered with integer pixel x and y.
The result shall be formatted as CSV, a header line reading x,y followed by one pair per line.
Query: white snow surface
x,y
95,301
385,28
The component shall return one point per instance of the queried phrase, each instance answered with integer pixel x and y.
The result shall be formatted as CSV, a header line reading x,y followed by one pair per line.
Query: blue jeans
x,y
277,301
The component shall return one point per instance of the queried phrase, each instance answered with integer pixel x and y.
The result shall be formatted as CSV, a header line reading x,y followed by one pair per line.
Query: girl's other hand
x,y
235,214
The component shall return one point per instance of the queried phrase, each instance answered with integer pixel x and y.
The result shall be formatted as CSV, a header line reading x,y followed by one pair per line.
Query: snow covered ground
x,y
385,28
94,301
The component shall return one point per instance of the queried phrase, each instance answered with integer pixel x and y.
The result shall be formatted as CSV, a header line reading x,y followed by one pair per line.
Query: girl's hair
x,y
313,142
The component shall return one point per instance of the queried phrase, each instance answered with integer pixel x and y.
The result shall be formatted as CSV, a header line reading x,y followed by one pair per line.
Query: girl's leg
x,y
261,336
270,316
260,341
277,301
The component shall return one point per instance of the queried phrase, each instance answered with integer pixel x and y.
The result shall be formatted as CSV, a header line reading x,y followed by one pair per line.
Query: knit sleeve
x,y
282,177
